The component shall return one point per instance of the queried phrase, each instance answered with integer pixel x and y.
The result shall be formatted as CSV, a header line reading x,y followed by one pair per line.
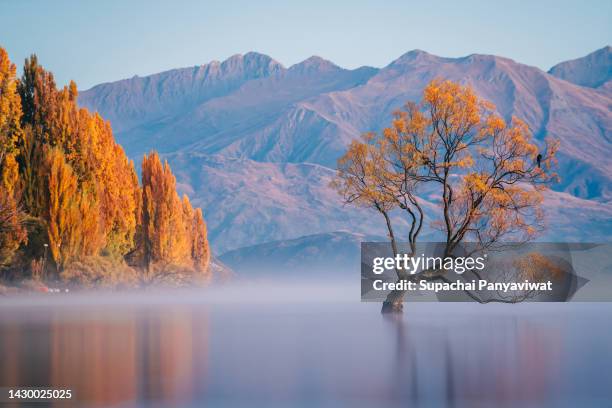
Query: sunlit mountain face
x,y
255,143
593,70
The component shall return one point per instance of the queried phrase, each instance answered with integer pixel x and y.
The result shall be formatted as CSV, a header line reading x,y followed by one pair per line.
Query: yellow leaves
x,y
466,162
497,180
391,134
399,125
486,106
363,177
78,181
200,251
477,182
431,93
537,267
9,175
12,229
491,173
514,165
10,117
72,212
172,232
104,175
415,122
550,156
455,107
195,229
494,124
62,207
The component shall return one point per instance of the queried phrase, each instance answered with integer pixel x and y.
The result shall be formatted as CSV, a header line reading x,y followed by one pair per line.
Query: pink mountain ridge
x,y
255,143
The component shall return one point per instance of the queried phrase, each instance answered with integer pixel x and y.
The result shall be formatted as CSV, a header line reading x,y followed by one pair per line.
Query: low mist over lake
x,y
304,344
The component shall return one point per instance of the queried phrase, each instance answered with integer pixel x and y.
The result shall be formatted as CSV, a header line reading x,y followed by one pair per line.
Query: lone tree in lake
x,y
489,175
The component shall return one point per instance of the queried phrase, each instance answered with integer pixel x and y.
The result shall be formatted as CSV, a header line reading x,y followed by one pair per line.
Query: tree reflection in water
x,y
108,358
518,361
243,354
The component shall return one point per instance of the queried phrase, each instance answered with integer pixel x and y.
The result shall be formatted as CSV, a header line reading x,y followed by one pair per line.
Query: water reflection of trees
x,y
451,365
110,357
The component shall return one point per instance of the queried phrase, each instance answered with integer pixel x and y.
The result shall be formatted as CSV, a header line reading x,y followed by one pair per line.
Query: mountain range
x,y
593,71
255,143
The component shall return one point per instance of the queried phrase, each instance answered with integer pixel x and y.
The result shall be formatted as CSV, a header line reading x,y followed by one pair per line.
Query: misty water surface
x,y
306,345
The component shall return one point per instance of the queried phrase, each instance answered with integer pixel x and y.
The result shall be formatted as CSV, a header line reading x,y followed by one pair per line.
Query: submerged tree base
x,y
394,302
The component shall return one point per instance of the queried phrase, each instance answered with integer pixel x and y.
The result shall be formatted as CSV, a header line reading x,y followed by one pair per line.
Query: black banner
x,y
508,273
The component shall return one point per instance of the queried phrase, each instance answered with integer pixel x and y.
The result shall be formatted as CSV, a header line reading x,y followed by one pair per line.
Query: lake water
x,y
304,346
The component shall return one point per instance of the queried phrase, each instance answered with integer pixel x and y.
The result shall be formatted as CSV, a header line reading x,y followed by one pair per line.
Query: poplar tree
x,y
12,232
61,164
173,233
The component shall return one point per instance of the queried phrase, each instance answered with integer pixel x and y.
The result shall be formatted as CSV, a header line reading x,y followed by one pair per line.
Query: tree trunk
x,y
394,302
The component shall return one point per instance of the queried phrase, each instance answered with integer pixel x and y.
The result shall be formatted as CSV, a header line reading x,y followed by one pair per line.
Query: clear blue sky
x,y
99,41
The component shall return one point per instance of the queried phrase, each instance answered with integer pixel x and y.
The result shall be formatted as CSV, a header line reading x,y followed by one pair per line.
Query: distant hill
x,y
255,143
592,70
328,253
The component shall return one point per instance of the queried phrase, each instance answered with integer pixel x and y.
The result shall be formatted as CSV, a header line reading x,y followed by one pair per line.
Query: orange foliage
x,y
63,166
200,252
12,231
62,206
490,174
173,234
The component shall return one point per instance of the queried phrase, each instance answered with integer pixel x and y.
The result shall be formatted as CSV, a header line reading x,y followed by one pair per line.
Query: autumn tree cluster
x,y
485,176
70,202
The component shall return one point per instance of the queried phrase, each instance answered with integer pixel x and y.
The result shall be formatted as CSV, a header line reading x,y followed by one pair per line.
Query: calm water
x,y
305,346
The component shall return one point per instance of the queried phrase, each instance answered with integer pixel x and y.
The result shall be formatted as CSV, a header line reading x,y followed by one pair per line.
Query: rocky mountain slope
x,y
255,143
593,70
